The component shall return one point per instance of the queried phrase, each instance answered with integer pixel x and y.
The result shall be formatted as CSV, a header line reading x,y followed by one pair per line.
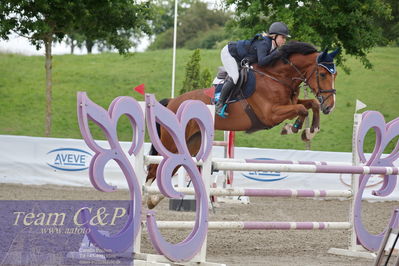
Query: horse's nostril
x,y
327,109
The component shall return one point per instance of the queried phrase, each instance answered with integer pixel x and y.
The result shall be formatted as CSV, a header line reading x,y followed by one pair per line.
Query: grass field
x,y
106,76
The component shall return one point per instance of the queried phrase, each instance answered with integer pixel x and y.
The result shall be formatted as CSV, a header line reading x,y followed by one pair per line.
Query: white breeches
x,y
230,64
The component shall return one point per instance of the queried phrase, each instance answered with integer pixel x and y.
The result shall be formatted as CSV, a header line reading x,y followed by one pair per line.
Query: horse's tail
x,y
165,103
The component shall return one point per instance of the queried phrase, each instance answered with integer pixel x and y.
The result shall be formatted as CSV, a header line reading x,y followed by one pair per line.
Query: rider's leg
x,y
230,64
224,94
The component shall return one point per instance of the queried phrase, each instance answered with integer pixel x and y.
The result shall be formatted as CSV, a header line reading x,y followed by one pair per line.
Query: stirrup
x,y
222,112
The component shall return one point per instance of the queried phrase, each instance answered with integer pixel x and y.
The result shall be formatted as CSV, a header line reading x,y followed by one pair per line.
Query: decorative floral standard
x,y
176,125
384,134
107,121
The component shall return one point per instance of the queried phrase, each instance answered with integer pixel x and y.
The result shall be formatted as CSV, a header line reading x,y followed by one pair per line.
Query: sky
x,y
21,45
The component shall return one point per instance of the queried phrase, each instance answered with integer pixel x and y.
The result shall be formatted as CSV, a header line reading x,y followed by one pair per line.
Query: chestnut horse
x,y
275,99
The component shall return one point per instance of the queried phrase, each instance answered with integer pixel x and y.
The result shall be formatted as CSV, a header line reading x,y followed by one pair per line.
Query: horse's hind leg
x,y
152,200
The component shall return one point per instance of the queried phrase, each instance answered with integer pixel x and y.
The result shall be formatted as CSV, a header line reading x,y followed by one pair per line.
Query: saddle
x,y
244,88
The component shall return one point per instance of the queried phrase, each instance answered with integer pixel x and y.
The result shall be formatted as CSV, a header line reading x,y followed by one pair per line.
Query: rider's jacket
x,y
257,50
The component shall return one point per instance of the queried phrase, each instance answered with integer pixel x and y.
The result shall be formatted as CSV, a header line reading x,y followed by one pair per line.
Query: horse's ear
x,y
334,53
322,56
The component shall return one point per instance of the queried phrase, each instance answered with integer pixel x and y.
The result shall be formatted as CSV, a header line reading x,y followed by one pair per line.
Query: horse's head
x,y
317,70
321,80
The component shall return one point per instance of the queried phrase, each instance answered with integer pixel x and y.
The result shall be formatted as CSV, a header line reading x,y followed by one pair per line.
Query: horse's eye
x,y
323,75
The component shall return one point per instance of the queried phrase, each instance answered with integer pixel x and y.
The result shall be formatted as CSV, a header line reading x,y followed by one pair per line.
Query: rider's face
x,y
280,40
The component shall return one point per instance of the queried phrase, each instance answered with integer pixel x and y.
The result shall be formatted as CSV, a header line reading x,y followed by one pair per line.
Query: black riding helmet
x,y
279,28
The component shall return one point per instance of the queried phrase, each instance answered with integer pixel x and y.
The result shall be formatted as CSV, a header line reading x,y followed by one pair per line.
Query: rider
x,y
257,50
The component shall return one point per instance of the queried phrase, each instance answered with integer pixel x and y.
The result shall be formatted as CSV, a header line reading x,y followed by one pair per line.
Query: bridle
x,y
320,90
303,79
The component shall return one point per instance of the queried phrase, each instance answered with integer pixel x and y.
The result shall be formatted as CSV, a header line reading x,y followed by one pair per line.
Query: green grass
x,y
106,76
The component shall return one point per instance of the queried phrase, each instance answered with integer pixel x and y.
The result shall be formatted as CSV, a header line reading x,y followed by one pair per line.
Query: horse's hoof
x,y
287,129
307,134
153,201
150,205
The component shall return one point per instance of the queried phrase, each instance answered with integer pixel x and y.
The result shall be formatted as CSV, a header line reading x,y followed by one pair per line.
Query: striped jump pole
x,y
258,225
302,168
155,159
293,193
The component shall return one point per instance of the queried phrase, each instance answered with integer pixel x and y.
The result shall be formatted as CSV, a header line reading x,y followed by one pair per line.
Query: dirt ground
x,y
235,247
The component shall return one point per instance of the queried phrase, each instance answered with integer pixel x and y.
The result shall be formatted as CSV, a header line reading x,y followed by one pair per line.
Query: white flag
x,y
359,105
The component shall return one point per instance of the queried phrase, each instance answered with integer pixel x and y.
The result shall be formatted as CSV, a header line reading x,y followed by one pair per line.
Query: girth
x,y
255,121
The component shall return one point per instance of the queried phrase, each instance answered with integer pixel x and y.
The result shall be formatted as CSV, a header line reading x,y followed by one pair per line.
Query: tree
x,y
192,79
205,79
195,79
165,12
346,24
74,40
194,21
390,26
44,22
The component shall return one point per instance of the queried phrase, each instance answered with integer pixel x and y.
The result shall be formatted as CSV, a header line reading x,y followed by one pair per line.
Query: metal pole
x,y
174,51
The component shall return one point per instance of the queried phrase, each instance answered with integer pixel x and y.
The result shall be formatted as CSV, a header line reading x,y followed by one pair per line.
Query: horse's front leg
x,y
313,104
283,112
293,128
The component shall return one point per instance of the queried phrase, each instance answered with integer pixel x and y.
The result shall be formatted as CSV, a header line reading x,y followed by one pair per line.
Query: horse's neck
x,y
280,77
291,73
282,69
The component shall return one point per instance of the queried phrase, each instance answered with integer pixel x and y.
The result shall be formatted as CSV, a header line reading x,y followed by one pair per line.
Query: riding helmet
x,y
279,28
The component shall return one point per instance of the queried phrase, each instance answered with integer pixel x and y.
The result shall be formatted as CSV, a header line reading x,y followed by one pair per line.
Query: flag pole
x,y
174,51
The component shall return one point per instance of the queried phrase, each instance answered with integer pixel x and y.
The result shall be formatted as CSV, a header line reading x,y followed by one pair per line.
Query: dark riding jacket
x,y
257,50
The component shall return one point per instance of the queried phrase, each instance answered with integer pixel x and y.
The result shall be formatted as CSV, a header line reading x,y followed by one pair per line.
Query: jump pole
x,y
249,225
300,168
249,192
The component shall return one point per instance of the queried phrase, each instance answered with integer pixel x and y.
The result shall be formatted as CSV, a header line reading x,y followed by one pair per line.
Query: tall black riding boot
x,y
224,94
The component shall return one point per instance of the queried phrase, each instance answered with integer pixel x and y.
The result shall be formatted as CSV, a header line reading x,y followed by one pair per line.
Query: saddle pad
x,y
247,89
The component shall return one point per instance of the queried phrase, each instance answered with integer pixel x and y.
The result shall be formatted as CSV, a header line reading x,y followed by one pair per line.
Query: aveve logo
x,y
264,176
69,159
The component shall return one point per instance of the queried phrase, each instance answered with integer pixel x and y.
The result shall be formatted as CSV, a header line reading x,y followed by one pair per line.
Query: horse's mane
x,y
292,47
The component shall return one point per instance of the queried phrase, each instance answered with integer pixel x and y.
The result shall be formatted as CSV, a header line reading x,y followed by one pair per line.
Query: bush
x,y
195,79
206,79
192,78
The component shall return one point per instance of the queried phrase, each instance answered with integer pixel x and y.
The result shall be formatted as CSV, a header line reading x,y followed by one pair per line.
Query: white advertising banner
x,y
39,161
